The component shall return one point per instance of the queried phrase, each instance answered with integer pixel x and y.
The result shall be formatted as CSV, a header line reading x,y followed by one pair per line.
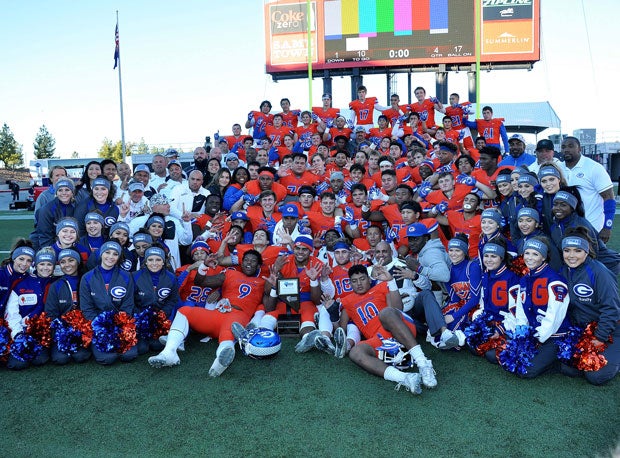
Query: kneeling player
x,y
244,291
377,312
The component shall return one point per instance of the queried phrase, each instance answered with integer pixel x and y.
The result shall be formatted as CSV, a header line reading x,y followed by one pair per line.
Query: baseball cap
x,y
171,152
517,137
360,129
174,162
199,245
239,215
304,241
142,168
136,186
289,211
545,144
222,140
430,164
158,199
231,156
417,230
336,176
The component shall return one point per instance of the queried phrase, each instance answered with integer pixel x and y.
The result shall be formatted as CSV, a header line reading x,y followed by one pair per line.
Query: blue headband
x,y
341,246
527,178
142,237
155,251
529,213
567,197
45,256
460,244
548,171
22,250
69,253
92,216
490,213
110,245
494,248
155,219
503,178
536,245
67,222
575,242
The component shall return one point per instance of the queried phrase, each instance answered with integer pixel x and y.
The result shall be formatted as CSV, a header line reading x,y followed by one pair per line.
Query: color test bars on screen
x,y
367,18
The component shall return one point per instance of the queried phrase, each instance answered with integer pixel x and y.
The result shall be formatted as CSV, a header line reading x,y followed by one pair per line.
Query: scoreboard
x,y
398,33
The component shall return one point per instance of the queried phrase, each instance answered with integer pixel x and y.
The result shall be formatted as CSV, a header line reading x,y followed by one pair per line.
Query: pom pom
x,y
479,332
105,333
151,324
38,326
587,356
25,348
567,344
5,340
517,265
77,320
127,331
521,347
68,340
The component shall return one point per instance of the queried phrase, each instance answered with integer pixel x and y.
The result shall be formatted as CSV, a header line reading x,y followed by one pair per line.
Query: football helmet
x,y
260,343
393,353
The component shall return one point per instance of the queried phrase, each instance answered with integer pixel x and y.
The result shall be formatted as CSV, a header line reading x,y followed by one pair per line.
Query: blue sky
x,y
190,68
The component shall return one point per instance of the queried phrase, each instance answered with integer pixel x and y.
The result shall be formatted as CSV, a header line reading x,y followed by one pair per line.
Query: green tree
x,y
44,144
10,150
142,147
114,151
75,155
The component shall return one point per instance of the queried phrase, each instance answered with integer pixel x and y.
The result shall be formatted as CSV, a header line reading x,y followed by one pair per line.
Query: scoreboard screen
x,y
397,33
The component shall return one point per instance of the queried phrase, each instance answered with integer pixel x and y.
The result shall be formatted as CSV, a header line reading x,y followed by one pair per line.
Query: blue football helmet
x,y
393,353
260,343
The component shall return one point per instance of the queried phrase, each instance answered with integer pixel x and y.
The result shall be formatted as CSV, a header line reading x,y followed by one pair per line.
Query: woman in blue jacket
x,y
157,288
108,288
25,302
62,206
14,269
101,198
593,291
62,297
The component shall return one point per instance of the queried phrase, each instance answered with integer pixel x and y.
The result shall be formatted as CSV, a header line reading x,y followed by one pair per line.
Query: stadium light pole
x,y
478,48
308,23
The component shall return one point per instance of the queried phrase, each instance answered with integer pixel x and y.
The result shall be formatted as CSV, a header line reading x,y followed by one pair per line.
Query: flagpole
x,y
120,90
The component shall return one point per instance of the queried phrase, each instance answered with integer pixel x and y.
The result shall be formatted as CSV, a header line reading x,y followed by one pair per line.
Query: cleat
x,y
164,359
340,339
325,344
411,383
307,341
428,374
222,362
251,325
238,331
164,339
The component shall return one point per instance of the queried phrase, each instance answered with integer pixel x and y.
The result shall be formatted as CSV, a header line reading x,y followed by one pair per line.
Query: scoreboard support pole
x,y
327,83
356,80
409,87
471,84
441,84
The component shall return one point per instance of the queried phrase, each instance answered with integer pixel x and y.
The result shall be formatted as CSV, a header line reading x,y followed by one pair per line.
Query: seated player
x,y
244,292
377,312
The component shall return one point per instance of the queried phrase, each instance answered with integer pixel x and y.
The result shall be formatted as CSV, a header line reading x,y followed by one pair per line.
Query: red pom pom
x,y
589,357
163,325
75,319
517,265
38,326
127,334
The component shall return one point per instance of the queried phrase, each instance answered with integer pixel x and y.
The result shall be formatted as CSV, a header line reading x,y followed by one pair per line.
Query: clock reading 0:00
x,y
398,53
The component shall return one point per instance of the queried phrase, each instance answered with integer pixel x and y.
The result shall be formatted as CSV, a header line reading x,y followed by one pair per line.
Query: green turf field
x,y
299,405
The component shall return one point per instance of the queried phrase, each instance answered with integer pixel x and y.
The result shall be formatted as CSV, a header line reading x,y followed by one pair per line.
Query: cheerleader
x,y
62,206
541,303
14,269
93,239
593,292
67,237
108,288
498,283
62,297
529,226
100,198
157,288
463,287
491,229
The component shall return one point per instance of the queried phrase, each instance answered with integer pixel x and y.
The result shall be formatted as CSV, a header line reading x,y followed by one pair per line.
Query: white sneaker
x,y
307,341
164,339
222,362
411,383
340,339
428,374
164,359
448,340
238,331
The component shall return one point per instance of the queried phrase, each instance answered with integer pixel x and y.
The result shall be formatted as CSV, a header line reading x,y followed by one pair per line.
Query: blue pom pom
x,y
5,340
566,344
106,333
479,331
521,347
146,323
68,340
25,348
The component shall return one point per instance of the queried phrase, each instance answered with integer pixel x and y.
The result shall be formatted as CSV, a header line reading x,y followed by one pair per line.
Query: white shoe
x,y
340,339
448,340
428,374
307,341
164,359
238,331
222,362
411,383
164,339
324,343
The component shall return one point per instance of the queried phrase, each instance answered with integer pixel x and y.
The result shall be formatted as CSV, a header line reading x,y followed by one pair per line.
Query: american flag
x,y
116,49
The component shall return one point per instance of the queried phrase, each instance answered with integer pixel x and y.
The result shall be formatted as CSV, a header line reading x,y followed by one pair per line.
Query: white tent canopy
x,y
525,118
